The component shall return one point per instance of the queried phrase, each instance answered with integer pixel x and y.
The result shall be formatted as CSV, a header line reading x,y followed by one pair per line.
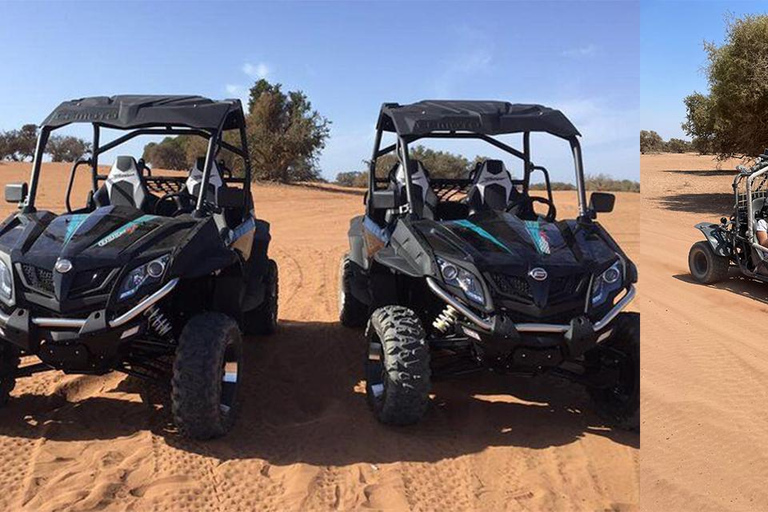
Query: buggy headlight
x,y
468,282
148,273
607,282
6,281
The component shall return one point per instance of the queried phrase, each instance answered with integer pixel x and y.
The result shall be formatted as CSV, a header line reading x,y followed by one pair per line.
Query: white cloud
x,y
234,89
260,70
581,51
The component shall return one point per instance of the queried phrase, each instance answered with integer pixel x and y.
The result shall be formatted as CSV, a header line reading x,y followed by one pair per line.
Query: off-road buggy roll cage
x,y
471,120
149,115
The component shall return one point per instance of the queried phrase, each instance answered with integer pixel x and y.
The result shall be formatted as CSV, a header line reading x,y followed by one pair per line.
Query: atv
x,y
458,275
155,276
733,242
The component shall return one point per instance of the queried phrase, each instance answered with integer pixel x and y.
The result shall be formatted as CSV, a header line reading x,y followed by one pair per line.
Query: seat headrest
x,y
196,177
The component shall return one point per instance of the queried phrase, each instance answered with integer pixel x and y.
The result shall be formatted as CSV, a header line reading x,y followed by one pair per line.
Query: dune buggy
x,y
154,276
734,242
456,275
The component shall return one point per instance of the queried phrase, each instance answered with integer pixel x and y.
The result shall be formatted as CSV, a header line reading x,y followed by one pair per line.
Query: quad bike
x,y
733,242
458,275
155,276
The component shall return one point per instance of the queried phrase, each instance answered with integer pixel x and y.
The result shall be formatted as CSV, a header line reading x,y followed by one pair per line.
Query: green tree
x,y
170,153
730,120
285,135
440,164
677,146
352,179
66,148
651,142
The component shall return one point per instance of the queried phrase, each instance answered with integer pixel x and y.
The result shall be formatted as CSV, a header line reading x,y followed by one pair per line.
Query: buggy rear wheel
x,y
397,369
352,312
263,319
707,267
206,376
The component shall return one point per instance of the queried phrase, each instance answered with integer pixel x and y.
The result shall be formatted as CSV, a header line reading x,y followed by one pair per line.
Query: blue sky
x,y
348,57
673,57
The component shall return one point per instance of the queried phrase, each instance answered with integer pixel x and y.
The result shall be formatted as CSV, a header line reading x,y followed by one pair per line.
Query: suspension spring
x,y
158,322
446,319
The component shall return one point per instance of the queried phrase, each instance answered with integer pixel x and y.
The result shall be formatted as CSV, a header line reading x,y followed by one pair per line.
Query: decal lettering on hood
x,y
538,235
128,228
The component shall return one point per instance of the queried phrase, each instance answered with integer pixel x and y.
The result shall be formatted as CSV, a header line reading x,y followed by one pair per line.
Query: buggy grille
x,y
561,289
515,287
91,282
38,278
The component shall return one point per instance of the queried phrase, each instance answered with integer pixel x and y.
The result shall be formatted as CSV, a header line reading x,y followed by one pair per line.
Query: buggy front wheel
x,y
707,267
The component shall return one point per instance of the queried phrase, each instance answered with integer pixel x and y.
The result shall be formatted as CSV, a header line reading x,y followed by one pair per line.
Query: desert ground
x,y
705,360
306,441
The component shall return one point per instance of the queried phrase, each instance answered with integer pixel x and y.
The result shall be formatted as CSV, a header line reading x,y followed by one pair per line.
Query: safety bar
x,y
487,324
78,323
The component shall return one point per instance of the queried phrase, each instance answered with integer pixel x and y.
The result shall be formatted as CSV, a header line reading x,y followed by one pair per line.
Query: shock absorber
x,y
158,322
446,319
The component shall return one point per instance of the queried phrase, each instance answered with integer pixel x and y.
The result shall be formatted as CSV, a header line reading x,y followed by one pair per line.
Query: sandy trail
x,y
705,362
305,439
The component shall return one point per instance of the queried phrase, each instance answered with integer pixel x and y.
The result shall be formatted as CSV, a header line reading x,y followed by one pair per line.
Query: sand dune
x,y
705,360
305,439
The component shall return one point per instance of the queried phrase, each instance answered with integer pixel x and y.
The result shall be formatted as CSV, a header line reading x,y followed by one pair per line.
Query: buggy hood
x,y
502,242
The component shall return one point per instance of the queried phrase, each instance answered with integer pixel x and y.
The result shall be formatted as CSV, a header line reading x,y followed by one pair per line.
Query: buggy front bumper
x,y
489,324
77,342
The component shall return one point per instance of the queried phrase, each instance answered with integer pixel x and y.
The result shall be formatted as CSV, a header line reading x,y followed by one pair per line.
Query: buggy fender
x,y
714,235
357,243
407,253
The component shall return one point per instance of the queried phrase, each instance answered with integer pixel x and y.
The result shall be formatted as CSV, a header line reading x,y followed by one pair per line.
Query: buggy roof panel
x,y
485,117
134,111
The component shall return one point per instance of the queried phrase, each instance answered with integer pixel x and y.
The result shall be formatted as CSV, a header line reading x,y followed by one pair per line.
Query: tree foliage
x,y
651,142
19,145
352,179
730,120
285,137
440,164
66,148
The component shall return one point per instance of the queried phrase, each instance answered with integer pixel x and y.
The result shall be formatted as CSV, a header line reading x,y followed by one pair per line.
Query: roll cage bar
x,y
401,149
215,144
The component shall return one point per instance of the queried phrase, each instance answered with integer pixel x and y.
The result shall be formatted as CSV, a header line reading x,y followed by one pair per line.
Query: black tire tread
x,y
196,382
717,266
625,338
353,313
407,363
260,321
9,363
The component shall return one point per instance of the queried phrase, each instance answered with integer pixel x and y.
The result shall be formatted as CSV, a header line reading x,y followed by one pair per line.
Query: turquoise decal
x,y
130,227
538,236
483,233
73,223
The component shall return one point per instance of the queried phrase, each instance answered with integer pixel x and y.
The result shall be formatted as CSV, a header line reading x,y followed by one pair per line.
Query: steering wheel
x,y
181,200
524,208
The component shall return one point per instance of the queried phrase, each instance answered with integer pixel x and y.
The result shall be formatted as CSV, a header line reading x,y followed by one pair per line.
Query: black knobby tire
x,y
206,376
707,267
352,312
9,363
397,367
263,319
619,404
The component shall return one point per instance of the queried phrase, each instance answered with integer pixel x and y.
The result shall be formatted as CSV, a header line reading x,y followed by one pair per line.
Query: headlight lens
x,y
469,283
6,281
151,272
607,282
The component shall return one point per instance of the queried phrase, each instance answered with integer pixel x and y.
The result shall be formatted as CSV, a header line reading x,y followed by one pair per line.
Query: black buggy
x,y
155,276
456,275
733,242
